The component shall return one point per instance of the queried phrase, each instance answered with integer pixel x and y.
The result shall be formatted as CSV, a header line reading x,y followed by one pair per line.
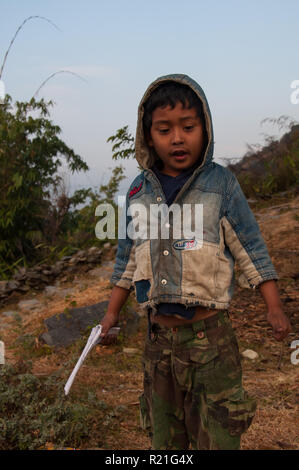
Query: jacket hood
x,y
143,153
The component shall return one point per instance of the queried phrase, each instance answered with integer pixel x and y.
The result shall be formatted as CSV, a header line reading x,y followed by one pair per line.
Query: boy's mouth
x,y
179,154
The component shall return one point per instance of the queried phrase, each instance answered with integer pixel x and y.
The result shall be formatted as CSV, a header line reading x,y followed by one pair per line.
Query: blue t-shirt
x,y
171,186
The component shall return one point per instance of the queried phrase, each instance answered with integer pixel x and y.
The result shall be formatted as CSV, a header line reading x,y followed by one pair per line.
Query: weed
x,y
34,411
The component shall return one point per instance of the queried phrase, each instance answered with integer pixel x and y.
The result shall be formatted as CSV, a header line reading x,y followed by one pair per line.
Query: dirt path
x,y
116,376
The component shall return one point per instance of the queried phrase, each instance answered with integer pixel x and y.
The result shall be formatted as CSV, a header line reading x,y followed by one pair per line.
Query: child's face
x,y
177,135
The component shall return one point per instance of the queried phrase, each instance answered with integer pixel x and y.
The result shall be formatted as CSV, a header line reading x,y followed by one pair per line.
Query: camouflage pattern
x,y
193,395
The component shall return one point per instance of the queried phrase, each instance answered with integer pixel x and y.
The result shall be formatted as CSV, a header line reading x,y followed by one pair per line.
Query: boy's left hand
x,y
280,323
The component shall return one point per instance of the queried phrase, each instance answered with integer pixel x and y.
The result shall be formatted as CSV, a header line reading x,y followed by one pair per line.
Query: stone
x,y
250,354
96,272
80,254
33,275
24,288
9,313
94,250
28,304
67,327
131,351
50,290
46,272
20,274
3,285
12,285
64,258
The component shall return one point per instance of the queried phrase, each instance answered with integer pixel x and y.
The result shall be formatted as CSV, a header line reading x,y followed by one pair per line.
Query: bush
x,y
34,412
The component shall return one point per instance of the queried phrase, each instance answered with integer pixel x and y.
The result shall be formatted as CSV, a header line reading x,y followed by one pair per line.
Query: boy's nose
x,y
177,137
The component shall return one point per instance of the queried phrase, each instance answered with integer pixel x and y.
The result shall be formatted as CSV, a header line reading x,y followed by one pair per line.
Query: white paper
x,y
94,338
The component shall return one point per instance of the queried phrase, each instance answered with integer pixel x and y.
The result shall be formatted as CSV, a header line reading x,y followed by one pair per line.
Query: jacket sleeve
x,y
244,239
125,265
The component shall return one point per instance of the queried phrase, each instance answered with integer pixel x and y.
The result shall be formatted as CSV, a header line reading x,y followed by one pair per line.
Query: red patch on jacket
x,y
135,190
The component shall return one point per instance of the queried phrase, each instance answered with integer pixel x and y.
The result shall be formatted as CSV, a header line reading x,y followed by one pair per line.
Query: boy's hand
x,y
275,316
109,320
118,298
280,323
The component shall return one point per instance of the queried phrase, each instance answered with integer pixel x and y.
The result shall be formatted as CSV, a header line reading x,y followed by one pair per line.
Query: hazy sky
x,y
243,53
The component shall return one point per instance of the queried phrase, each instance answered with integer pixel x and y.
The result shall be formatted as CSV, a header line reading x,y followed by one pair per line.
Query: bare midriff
x,y
170,321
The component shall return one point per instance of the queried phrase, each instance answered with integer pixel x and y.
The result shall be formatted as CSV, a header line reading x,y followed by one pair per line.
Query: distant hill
x,y
272,169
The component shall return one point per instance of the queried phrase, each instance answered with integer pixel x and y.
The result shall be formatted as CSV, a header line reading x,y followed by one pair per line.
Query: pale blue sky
x,y
243,53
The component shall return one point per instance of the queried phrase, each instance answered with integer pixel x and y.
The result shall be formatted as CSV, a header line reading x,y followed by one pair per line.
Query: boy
x,y
193,391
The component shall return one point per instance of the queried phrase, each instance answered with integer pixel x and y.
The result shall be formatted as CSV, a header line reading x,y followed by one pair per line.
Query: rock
x,y
9,313
96,272
250,354
46,272
93,250
64,292
33,275
24,288
12,285
131,351
41,275
50,290
20,275
67,327
3,285
28,304
64,258
80,254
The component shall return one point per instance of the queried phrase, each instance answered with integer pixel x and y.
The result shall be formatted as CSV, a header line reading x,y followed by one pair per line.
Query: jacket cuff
x,y
125,283
256,281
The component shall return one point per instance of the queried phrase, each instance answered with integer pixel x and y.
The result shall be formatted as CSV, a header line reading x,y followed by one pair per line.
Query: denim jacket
x,y
185,270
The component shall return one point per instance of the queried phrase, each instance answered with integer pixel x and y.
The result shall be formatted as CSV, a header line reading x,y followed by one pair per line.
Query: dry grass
x,y
116,377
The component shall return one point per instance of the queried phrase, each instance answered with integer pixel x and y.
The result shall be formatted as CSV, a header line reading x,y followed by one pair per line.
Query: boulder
x,y
28,304
67,327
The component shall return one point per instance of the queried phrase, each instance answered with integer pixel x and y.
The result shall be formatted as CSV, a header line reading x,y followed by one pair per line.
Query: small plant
x,y
35,412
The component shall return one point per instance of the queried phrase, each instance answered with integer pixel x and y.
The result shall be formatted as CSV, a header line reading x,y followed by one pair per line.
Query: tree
x,y
31,153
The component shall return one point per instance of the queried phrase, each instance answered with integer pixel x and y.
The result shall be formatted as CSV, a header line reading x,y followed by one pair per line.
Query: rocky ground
x,y
114,371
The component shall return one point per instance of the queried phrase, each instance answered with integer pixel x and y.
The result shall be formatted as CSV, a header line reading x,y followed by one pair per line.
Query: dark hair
x,y
170,93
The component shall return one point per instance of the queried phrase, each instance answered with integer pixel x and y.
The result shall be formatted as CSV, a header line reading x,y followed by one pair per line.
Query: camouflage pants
x,y
193,395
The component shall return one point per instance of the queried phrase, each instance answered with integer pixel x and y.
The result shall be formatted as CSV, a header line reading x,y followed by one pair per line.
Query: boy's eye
x,y
189,128
163,131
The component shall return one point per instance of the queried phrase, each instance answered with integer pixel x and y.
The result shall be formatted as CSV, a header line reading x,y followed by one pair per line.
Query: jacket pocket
x,y
198,271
